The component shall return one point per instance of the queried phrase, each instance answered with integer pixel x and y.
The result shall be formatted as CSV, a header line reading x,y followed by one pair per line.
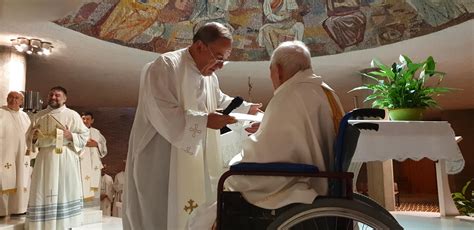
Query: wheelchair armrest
x,y
274,167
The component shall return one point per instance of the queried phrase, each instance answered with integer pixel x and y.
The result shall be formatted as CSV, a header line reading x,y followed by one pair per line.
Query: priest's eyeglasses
x,y
220,61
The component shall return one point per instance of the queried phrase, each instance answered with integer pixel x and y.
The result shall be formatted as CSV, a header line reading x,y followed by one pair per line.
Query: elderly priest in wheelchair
x,y
299,126
298,135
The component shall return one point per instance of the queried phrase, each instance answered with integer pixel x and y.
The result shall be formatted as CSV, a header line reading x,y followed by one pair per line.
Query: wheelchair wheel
x,y
330,213
373,204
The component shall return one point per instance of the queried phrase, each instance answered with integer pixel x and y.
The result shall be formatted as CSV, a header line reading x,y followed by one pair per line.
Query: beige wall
x,y
115,124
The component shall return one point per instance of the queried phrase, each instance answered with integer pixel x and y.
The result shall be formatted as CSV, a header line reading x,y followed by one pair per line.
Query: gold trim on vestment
x,y
8,191
337,114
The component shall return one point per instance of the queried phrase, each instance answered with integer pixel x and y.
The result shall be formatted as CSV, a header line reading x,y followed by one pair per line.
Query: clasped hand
x,y
67,134
92,143
218,121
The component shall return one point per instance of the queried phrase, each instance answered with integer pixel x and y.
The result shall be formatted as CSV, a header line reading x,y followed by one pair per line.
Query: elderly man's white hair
x,y
292,56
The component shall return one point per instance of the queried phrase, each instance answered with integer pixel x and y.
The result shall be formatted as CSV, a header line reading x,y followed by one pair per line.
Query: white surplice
x,y
119,183
56,190
106,188
91,164
14,165
173,162
297,128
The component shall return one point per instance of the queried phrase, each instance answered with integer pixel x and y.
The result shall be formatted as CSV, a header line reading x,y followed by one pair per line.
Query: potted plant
x,y
464,200
403,88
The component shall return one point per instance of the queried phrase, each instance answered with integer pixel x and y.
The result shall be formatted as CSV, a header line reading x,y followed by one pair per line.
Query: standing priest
x,y
173,161
56,191
15,167
91,164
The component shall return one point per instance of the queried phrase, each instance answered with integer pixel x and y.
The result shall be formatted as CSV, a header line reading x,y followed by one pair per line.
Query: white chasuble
x,y
56,191
297,127
14,173
172,161
195,189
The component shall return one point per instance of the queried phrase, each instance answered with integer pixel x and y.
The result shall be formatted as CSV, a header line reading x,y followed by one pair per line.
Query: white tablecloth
x,y
401,140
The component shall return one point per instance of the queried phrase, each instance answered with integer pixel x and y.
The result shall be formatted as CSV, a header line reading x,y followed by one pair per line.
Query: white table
x,y
401,140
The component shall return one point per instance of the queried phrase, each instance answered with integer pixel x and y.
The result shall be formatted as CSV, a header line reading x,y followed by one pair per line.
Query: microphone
x,y
236,102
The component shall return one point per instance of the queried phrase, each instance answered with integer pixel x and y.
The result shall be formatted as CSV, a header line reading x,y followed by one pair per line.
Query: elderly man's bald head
x,y
14,100
293,56
288,59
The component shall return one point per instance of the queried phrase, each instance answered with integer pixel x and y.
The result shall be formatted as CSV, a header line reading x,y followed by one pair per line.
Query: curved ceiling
x,y
103,74
258,26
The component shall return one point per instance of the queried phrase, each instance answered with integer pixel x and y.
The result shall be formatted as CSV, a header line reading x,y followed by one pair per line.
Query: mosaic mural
x,y
326,26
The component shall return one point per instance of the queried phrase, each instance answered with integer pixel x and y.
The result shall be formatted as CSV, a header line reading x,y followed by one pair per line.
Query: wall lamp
x,y
32,46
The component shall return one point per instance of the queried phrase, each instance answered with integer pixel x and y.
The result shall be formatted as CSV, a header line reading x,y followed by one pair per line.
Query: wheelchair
x,y
340,209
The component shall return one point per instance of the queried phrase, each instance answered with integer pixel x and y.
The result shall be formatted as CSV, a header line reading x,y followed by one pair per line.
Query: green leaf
x,y
358,88
464,188
430,65
369,76
384,69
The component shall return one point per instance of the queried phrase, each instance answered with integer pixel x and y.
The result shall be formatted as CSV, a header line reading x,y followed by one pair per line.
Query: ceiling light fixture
x,y
32,46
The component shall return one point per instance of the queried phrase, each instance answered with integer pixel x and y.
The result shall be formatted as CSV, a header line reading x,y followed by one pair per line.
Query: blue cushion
x,y
278,167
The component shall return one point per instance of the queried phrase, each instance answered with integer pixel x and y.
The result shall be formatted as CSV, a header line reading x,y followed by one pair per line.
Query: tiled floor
x,y
431,220
108,223
409,220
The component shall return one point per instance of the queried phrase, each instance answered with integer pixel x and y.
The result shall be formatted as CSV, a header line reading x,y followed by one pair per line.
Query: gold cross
x,y
195,130
96,168
189,208
87,178
8,165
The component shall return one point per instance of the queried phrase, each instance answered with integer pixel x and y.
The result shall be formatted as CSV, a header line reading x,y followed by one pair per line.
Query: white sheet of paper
x,y
247,117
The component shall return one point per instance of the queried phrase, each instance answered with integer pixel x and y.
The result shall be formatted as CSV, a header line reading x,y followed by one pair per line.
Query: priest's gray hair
x,y
292,56
212,31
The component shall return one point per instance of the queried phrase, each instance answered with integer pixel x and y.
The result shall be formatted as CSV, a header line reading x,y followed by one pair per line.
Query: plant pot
x,y
406,114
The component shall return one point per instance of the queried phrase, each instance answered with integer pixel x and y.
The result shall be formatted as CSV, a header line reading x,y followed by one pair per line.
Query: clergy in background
x,y
106,192
56,190
119,182
299,126
173,158
90,158
14,164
